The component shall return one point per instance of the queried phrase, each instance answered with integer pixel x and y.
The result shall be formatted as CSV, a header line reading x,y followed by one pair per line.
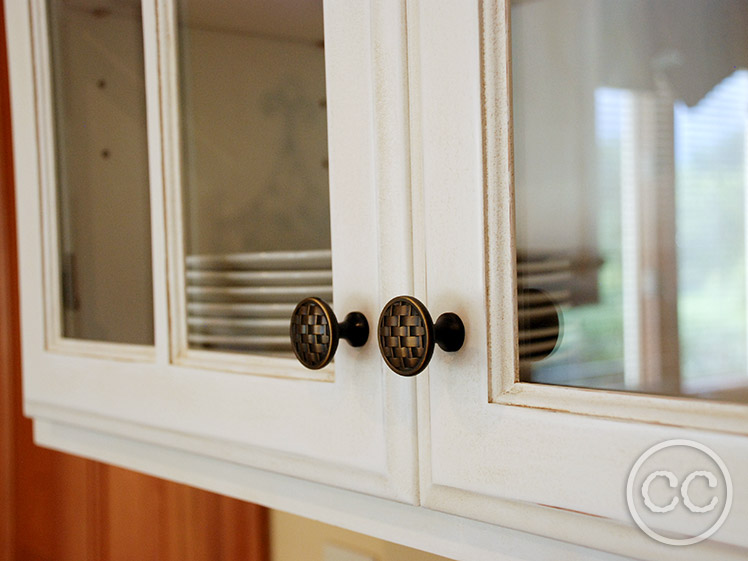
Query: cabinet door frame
x,y
354,430
46,164
504,384
548,460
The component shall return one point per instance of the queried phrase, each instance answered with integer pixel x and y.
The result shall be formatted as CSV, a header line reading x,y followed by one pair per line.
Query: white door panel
x,y
353,427
546,459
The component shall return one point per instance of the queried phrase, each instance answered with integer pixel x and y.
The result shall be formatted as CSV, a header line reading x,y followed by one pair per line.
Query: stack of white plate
x,y
543,290
243,301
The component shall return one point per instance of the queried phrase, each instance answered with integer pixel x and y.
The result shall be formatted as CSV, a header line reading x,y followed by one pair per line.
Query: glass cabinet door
x,y
630,122
590,174
252,165
254,200
103,224
254,174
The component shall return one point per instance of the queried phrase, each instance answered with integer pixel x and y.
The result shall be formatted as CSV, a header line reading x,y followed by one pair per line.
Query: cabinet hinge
x,y
70,300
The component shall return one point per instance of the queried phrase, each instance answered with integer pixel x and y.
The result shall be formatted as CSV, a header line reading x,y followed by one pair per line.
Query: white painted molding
x,y
442,534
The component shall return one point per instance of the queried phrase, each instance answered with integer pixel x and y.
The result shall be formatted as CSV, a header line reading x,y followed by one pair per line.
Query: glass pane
x,y
102,171
631,163
255,179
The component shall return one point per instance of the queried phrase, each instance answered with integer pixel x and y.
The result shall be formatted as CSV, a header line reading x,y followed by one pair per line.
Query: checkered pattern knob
x,y
314,333
406,335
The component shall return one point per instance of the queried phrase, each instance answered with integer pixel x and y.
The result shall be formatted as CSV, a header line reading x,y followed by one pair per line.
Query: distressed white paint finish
x,y
553,461
357,429
451,536
511,455
157,177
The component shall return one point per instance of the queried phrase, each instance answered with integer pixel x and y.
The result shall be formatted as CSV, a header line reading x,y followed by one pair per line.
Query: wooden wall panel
x,y
52,498
133,517
10,360
56,507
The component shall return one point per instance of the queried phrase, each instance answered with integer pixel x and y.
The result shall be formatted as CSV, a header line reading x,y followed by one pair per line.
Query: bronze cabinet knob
x,y
315,332
407,335
539,325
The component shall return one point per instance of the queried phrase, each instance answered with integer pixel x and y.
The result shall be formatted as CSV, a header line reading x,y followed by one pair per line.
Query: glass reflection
x,y
98,79
631,173
255,178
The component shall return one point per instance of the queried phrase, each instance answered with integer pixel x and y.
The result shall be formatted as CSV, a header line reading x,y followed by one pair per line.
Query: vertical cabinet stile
x,y
153,47
172,176
52,320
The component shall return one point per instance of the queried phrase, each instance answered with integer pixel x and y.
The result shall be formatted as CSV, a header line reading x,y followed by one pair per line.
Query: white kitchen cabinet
x,y
550,459
350,426
467,459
